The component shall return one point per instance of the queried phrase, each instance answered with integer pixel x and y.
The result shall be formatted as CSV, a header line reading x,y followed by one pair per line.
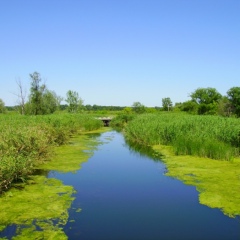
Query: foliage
x,y
26,141
36,94
224,107
233,95
205,95
41,100
74,101
138,107
2,106
207,99
166,104
121,120
189,106
206,136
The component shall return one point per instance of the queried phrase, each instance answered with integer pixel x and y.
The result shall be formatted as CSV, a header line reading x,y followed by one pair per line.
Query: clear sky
x,y
117,52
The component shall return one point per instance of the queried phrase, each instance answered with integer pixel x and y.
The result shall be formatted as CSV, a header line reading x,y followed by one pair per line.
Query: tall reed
x,y
26,141
206,136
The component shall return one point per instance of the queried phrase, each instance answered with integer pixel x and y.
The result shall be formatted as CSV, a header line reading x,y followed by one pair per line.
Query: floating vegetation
x,y
38,208
218,182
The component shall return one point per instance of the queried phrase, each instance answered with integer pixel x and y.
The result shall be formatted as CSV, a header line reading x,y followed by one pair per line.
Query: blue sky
x,y
117,52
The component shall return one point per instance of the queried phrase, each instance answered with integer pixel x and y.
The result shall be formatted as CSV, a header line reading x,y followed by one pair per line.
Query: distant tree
x,y
205,95
51,101
22,93
41,100
36,94
190,107
224,107
233,95
2,106
75,103
88,107
127,110
138,107
206,98
166,103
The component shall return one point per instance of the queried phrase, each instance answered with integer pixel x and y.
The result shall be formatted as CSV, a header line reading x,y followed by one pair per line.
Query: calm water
x,y
125,195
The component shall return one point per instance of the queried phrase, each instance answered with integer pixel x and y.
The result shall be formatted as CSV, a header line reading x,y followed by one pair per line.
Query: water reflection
x,y
146,151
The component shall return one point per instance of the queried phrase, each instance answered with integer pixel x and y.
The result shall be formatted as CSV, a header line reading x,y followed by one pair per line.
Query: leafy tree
x,y
206,98
2,106
41,100
166,103
36,94
190,107
224,107
51,102
205,95
127,110
138,107
75,103
233,95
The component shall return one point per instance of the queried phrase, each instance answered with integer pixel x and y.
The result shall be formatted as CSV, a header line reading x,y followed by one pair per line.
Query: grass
x,y
28,141
205,136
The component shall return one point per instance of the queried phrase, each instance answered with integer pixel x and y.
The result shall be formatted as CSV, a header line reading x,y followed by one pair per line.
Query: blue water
x,y
125,195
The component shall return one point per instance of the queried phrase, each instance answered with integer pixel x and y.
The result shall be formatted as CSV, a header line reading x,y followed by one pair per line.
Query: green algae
x,y
39,207
218,182
42,204
68,158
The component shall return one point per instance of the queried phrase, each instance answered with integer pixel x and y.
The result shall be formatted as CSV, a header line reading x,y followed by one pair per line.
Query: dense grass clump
x,y
205,136
121,120
26,141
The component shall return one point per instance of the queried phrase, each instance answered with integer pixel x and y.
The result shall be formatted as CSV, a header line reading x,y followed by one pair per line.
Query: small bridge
x,y
106,120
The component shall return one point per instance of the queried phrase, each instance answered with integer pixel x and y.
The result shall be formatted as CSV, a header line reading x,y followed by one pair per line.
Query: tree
x,y
21,96
51,102
36,94
75,103
41,100
2,106
224,107
205,95
190,107
138,107
166,103
233,95
206,98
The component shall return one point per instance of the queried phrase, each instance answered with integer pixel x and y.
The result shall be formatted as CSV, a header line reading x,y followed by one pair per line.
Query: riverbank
x,y
202,151
38,207
27,141
218,182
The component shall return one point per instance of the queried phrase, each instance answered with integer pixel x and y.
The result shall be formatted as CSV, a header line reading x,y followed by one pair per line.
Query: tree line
x,y
41,101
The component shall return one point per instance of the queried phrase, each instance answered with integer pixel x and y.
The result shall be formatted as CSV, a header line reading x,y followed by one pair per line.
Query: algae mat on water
x,y
39,208
218,182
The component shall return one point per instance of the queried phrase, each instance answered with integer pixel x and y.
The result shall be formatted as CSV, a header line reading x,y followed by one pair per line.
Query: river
x,y
123,194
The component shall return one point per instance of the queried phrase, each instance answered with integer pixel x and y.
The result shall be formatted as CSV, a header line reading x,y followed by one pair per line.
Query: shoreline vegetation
x,y
202,151
26,142
37,206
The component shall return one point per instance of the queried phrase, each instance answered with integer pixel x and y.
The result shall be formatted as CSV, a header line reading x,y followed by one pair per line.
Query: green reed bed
x,y
205,136
26,141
